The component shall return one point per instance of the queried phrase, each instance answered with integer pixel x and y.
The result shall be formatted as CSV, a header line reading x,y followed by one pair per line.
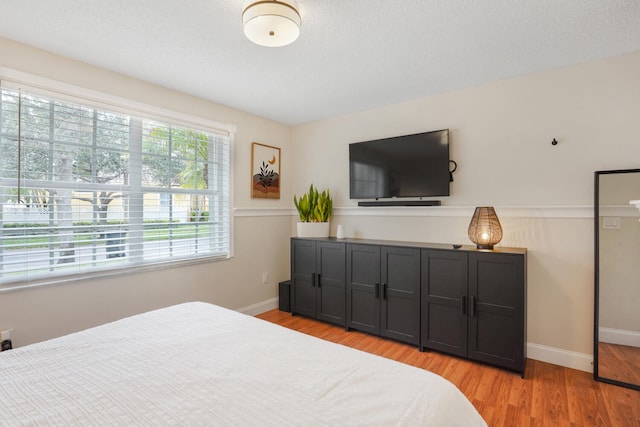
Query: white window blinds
x,y
86,189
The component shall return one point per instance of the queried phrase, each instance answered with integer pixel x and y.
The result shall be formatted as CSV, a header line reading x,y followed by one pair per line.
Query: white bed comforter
x,y
197,364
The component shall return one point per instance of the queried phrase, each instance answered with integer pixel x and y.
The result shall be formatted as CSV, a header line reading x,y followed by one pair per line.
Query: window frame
x,y
55,90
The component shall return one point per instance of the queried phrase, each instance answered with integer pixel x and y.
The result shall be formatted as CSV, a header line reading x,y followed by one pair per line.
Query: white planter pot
x,y
313,229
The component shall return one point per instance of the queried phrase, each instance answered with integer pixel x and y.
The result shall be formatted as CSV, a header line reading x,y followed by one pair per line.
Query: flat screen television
x,y
403,166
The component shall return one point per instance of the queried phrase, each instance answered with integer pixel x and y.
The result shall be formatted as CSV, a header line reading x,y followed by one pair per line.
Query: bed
x,y
197,364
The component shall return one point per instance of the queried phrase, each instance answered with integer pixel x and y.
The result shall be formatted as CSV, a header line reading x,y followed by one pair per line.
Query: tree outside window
x,y
86,189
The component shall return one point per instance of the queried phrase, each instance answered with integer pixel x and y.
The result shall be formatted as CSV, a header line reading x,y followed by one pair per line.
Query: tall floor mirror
x,y
617,277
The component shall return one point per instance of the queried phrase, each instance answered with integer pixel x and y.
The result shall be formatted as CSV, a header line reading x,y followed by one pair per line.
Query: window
x,y
85,189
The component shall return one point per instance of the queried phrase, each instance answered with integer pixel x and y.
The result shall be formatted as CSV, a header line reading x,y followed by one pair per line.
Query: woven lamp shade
x,y
485,229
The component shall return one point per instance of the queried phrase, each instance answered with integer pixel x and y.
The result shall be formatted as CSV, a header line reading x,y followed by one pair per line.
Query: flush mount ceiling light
x,y
271,23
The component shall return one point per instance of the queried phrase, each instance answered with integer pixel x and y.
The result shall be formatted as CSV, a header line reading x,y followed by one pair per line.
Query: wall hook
x,y
554,142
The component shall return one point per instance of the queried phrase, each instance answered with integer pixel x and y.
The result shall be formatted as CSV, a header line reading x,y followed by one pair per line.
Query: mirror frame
x,y
596,302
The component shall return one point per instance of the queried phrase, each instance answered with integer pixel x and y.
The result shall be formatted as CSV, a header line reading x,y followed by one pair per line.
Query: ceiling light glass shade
x,y
485,229
271,23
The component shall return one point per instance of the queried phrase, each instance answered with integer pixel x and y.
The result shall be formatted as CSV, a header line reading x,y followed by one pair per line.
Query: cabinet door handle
x,y
473,306
384,291
313,279
319,279
377,290
463,306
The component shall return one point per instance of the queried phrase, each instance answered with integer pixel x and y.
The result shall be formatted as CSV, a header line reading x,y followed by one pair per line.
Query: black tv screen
x,y
404,166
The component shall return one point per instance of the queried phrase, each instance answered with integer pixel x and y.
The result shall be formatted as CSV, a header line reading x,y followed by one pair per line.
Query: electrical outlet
x,y
5,340
265,278
611,222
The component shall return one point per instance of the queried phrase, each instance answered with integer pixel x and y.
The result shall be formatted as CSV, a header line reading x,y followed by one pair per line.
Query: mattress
x,y
198,364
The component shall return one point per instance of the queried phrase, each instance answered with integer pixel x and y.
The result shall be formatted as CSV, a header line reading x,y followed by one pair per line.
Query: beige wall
x,y
46,312
501,137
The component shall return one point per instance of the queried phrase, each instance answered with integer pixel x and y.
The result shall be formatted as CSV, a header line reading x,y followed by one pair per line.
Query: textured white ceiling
x,y
351,55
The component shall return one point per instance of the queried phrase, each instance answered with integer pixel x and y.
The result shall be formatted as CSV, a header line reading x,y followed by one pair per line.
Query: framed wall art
x,y
265,171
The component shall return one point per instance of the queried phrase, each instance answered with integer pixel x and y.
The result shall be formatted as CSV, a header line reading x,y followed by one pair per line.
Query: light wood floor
x,y
549,395
619,362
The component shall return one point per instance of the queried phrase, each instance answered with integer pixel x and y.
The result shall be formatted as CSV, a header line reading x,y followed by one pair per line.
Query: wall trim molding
x,y
625,211
251,212
577,211
561,357
467,211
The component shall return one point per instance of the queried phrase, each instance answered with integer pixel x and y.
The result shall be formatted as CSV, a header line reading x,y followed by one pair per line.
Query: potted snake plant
x,y
314,209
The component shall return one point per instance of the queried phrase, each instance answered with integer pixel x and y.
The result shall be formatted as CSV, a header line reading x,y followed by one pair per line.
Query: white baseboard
x,y
259,308
561,357
619,336
543,353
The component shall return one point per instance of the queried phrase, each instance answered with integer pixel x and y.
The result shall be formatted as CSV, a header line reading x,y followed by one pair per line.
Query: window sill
x,y
134,269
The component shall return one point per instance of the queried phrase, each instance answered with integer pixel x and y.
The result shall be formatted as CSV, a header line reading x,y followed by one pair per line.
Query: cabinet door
x,y
400,299
303,277
444,301
331,275
497,309
363,287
